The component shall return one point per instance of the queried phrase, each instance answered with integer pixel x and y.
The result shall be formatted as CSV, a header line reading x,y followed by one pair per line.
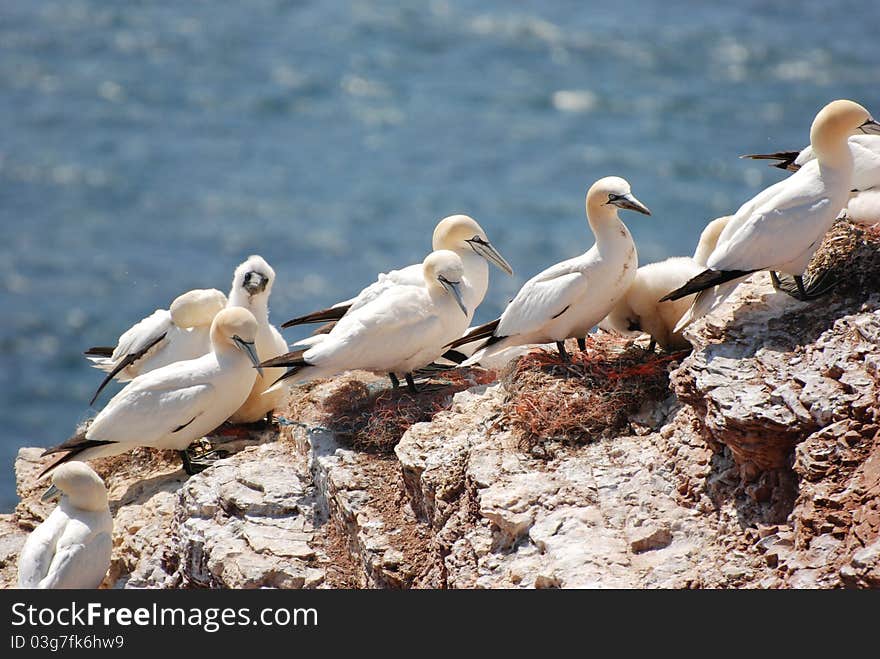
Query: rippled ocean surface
x,y
148,148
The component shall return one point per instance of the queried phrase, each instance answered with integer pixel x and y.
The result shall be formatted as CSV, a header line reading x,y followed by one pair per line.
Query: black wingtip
x,y
481,332
74,447
99,351
294,358
322,316
706,279
454,356
785,159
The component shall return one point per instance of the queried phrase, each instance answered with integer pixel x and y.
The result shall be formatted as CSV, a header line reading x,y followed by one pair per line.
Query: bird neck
x,y
606,224
258,305
92,500
831,149
476,270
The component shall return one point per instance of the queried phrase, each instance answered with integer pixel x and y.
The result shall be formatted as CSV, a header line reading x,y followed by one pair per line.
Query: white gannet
x,y
251,287
164,337
72,547
639,311
863,206
170,407
457,233
865,149
402,330
568,299
781,227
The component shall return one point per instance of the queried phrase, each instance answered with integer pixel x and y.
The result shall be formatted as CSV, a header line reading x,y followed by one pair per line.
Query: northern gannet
x,y
166,336
568,299
457,233
639,311
863,206
781,227
400,331
865,149
251,287
170,407
72,547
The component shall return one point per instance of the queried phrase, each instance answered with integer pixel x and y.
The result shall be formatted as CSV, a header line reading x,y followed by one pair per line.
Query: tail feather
x,y
454,356
705,302
785,159
486,331
99,351
707,279
326,328
293,361
294,358
72,448
322,316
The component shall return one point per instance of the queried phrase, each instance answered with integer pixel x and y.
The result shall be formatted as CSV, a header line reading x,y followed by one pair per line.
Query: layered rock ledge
x,y
760,469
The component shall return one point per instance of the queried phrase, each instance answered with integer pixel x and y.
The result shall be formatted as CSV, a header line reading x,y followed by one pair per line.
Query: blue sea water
x,y
148,147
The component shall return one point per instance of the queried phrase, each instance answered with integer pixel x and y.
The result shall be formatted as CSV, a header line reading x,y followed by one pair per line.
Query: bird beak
x,y
453,287
248,348
51,493
629,202
255,282
870,127
488,252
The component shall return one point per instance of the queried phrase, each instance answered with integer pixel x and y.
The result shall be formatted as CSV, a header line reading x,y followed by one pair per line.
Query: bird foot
x,y
817,288
198,463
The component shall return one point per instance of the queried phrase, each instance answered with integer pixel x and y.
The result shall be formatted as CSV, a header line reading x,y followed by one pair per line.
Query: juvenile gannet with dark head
x,y
398,332
72,547
251,286
170,407
780,228
568,299
166,336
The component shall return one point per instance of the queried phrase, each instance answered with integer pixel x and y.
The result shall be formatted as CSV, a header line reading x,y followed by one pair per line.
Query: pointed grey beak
x,y
255,282
485,249
51,493
870,127
630,203
453,287
248,348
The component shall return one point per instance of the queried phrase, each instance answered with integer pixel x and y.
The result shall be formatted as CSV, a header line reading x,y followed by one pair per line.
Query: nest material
x,y
591,397
850,254
373,419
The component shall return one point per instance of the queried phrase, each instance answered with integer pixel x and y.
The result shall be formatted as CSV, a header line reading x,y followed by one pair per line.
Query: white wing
x,y
409,276
545,296
153,406
778,229
39,549
80,565
391,328
142,334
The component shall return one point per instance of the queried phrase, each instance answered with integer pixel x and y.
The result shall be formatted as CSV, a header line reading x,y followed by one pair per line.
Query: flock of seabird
x,y
211,358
